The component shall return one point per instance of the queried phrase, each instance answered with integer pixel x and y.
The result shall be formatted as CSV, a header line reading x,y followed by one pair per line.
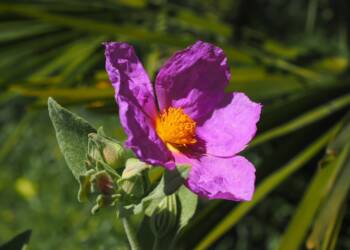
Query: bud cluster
x,y
112,174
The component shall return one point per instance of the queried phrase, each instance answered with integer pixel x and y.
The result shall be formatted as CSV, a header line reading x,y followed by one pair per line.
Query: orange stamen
x,y
176,128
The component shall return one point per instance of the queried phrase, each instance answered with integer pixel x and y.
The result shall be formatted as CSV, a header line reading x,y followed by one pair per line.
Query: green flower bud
x,y
113,155
134,167
106,149
134,181
164,218
134,187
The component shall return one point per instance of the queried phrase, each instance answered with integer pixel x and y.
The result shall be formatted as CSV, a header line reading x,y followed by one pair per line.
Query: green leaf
x,y
334,230
188,202
22,29
18,242
72,136
132,32
203,22
337,145
326,220
319,189
304,120
163,220
15,137
76,94
308,207
174,179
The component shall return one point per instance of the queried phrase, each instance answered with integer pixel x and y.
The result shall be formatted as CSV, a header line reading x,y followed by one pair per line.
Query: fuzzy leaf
x,y
72,136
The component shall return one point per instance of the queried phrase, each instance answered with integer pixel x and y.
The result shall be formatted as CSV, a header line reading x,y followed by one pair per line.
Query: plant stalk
x,y
156,243
130,233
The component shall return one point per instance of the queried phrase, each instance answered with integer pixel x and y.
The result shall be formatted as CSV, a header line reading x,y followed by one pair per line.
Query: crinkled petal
x,y
137,110
231,126
222,178
142,137
193,79
129,78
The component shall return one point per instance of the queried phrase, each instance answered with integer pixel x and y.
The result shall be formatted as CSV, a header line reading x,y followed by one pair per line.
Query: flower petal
x,y
193,79
129,78
142,137
222,178
231,126
137,110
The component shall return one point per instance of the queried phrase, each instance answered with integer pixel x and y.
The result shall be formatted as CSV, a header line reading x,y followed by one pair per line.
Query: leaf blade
x,y
72,136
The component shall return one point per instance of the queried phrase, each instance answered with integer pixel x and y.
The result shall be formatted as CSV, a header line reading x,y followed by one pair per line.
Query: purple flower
x,y
188,118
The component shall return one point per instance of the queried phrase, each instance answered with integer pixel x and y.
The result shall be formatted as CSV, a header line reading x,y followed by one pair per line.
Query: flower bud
x,y
133,167
103,183
134,187
104,187
106,149
113,154
164,218
134,181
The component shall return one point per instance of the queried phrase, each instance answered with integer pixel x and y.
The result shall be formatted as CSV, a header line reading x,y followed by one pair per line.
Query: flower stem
x,y
130,233
155,243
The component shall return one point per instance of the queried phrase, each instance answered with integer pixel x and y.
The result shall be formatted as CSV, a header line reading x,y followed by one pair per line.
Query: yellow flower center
x,y
176,128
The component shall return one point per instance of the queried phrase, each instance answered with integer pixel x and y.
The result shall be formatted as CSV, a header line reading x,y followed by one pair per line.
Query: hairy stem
x,y
130,233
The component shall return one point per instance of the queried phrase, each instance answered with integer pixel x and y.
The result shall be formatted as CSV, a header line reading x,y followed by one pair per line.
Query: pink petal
x,y
142,137
231,126
193,79
128,77
221,178
137,110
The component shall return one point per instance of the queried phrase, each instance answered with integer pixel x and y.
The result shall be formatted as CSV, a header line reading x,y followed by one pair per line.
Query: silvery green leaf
x,y
72,136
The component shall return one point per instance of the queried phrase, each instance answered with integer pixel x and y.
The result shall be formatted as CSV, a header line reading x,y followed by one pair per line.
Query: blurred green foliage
x,y
293,56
